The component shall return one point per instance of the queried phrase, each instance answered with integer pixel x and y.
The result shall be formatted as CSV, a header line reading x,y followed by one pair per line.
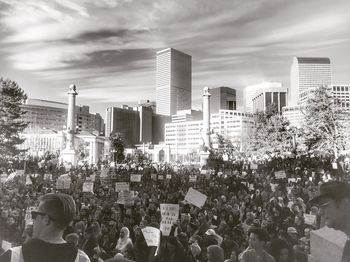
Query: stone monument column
x,y
204,154
68,154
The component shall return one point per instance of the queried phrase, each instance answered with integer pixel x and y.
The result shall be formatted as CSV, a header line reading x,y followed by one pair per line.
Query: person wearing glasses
x,y
54,214
334,207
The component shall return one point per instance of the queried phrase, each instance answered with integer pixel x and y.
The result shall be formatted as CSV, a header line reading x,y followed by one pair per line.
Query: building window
x,y
268,98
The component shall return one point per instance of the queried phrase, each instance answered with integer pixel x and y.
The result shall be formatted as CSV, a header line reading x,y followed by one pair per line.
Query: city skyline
x,y
108,48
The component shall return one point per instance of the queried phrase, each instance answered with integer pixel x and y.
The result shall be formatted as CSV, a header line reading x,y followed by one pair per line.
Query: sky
x,y
107,48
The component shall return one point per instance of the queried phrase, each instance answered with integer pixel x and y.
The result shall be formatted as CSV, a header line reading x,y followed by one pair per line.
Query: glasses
x,y
35,214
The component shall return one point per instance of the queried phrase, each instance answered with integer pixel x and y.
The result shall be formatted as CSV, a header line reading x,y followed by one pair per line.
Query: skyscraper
x,y
306,73
173,82
222,98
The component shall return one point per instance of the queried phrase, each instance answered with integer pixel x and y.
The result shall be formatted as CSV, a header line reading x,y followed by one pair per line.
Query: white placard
x,y
154,176
5,245
3,178
225,157
168,176
160,177
135,178
122,186
253,166
104,172
48,177
93,177
195,197
152,236
20,172
310,219
169,214
334,165
88,187
280,174
28,180
292,180
273,187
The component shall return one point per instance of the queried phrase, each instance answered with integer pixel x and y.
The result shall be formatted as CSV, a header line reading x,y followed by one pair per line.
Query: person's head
x,y
257,238
72,238
124,233
334,204
54,214
215,254
233,256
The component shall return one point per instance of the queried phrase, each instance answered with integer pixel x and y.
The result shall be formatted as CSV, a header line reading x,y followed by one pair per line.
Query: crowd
x,y
254,209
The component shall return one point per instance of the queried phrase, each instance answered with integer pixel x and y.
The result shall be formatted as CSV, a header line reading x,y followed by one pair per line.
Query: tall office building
x,y
222,98
307,73
173,82
252,93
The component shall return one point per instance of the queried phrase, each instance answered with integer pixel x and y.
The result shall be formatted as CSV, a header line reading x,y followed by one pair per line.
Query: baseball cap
x,y
332,190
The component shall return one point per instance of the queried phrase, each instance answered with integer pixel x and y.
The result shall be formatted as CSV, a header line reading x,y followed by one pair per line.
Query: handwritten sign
x,y
280,174
160,177
154,176
253,166
122,186
104,172
93,177
152,236
168,176
88,187
334,165
135,178
5,245
169,214
195,197
310,219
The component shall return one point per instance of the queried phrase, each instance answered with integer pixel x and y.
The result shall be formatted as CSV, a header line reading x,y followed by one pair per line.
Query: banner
x,y
88,187
310,219
280,174
126,198
5,245
28,217
122,186
152,236
135,178
195,197
169,214
193,178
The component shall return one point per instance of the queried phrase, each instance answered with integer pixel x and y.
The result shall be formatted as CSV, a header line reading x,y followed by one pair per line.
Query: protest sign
x,y
334,165
253,166
67,181
28,180
135,178
122,186
204,171
273,187
104,172
154,176
93,177
292,180
3,178
126,198
280,174
310,219
160,177
169,214
251,186
195,197
88,187
28,216
20,172
48,177
152,236
193,178
5,245
225,157
168,176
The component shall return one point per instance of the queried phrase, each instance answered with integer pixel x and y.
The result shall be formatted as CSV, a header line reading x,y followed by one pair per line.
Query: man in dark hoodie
x,y
54,214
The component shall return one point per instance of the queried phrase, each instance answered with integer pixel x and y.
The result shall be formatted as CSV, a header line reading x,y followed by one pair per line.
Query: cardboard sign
x,y
193,178
152,236
88,187
122,186
195,197
135,178
280,174
48,177
310,219
126,198
5,245
168,176
169,214
28,216
160,177
154,176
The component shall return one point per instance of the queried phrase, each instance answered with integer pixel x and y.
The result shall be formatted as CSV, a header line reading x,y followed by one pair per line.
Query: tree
x,y
117,147
11,123
324,123
270,133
